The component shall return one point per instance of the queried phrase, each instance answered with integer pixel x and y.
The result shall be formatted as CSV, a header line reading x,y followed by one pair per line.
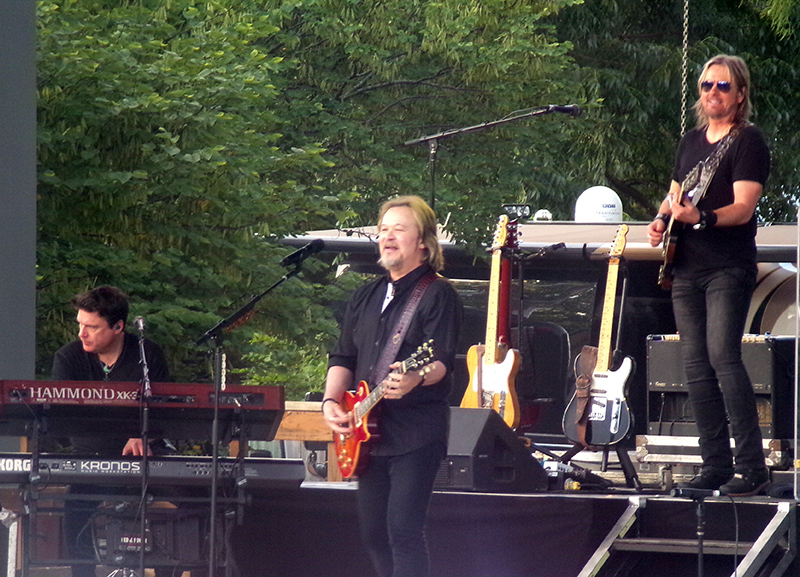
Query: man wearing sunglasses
x,y
711,203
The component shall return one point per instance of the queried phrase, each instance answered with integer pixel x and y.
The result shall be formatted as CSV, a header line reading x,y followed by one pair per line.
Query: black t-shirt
x,y
720,246
422,416
72,363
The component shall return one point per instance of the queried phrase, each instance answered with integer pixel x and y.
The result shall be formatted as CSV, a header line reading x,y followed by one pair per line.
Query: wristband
x,y
708,218
326,400
663,217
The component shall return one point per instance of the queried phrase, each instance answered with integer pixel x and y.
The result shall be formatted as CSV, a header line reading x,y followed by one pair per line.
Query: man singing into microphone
x,y
103,352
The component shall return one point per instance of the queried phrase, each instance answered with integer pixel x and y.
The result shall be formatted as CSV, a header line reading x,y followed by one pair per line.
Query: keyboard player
x,y
103,352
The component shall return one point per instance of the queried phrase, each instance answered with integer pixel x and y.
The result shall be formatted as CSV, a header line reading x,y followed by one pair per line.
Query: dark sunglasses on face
x,y
722,85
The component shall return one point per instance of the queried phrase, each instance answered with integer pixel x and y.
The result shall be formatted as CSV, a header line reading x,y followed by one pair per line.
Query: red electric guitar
x,y
352,450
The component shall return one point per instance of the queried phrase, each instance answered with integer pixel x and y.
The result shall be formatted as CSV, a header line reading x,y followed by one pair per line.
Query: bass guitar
x,y
493,366
598,413
352,450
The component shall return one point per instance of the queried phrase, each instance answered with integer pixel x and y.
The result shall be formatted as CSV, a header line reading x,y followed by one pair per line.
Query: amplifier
x,y
769,361
173,536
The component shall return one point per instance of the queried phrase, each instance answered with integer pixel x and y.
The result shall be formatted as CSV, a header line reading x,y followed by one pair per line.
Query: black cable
x,y
736,537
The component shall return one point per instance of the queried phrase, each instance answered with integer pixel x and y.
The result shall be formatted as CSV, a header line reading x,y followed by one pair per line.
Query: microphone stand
x,y
433,139
146,394
214,335
521,258
700,511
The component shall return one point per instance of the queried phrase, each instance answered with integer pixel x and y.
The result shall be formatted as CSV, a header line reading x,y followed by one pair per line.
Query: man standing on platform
x,y
724,162
103,352
394,490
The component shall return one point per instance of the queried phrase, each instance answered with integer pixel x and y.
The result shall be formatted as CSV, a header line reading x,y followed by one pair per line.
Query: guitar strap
x,y
584,369
389,353
703,171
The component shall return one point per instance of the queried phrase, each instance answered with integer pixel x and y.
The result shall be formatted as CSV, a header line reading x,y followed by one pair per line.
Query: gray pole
x,y
17,189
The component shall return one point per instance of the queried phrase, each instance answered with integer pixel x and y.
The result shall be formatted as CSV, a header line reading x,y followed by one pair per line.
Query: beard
x,y
390,263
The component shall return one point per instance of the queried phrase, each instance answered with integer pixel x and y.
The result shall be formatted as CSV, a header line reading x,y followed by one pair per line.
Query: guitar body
x,y
492,385
669,245
609,419
352,451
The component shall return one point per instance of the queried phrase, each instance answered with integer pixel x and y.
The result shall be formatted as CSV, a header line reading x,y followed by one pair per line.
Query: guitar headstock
x,y
618,247
512,234
421,357
500,233
505,234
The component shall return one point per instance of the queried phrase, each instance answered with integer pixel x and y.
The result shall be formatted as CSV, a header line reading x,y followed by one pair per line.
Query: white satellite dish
x,y
598,204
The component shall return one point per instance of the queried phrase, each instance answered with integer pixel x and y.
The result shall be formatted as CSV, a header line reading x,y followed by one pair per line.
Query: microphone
x,y
571,109
302,254
139,324
697,494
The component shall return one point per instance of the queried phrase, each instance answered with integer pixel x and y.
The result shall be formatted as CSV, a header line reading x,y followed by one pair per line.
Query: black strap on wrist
x,y
326,400
708,218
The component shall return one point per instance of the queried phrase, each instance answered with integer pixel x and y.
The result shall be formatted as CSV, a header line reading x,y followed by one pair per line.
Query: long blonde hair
x,y
426,222
740,75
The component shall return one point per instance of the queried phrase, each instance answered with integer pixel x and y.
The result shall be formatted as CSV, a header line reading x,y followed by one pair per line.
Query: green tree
x,y
374,75
630,58
178,141
162,170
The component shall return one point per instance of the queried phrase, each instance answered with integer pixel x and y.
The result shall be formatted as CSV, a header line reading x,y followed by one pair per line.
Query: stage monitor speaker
x,y
484,454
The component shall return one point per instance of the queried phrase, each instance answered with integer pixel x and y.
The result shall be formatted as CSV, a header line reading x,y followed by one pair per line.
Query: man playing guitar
x,y
412,418
715,272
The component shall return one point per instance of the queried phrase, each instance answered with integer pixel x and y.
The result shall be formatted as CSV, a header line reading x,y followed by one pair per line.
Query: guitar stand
x,y
631,477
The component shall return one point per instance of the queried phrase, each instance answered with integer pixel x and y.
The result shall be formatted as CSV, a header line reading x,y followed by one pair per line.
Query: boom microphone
x,y
571,109
302,254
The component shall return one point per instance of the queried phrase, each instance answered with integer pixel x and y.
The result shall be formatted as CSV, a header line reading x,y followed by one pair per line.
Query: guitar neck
x,y
376,394
365,406
607,323
490,356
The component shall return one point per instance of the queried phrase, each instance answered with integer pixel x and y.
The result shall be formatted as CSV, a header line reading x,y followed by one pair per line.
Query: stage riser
x,y
685,450
314,532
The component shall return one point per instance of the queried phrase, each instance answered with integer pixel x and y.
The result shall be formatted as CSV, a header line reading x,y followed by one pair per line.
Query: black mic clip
x,y
571,109
301,254
544,250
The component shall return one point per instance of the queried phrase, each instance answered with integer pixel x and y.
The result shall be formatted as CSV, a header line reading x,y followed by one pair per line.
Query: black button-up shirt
x,y
421,416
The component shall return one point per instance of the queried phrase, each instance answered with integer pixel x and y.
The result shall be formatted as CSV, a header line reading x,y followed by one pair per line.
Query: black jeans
x,y
393,499
710,313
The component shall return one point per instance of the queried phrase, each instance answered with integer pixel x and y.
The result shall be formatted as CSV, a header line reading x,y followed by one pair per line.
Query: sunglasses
x,y
722,85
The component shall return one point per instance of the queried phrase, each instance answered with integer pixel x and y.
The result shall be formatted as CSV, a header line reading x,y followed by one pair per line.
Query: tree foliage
x,y
630,55
180,139
376,75
162,170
